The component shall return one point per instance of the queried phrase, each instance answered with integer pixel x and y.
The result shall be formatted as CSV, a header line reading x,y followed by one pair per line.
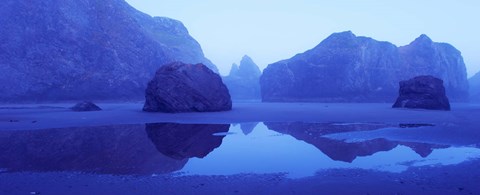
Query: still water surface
x,y
295,149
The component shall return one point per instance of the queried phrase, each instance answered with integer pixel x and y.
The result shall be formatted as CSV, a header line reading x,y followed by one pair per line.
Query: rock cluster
x,y
348,68
243,82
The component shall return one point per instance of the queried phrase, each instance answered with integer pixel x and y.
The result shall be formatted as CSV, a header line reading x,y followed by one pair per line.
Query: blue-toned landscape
x,y
257,148
141,97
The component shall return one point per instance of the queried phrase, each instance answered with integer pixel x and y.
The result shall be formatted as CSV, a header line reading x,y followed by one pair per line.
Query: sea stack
x,y
426,92
243,82
180,87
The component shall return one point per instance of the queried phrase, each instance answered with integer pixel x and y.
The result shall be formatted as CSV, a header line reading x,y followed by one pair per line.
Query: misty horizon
x,y
270,31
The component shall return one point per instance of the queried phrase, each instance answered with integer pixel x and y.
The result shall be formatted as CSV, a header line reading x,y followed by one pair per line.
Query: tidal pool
x,y
296,149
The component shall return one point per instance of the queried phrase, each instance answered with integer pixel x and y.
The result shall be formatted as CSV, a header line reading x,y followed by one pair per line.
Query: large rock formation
x,y
243,81
85,49
425,92
179,87
345,67
474,83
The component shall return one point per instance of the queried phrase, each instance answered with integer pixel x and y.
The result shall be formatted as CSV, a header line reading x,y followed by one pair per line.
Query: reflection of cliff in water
x,y
183,141
119,149
346,151
248,128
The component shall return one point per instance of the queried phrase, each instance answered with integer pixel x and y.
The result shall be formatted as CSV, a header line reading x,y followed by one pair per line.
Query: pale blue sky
x,y
272,30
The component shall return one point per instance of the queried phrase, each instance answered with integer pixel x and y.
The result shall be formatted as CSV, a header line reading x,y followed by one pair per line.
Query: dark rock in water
x,y
75,50
183,141
425,92
474,83
349,68
85,106
243,82
179,87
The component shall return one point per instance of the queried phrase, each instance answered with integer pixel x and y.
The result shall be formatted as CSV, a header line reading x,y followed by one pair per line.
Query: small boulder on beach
x,y
85,106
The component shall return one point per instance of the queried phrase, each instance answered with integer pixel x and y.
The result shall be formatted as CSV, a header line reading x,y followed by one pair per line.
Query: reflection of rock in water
x,y
121,149
343,151
182,141
247,128
422,149
320,129
347,152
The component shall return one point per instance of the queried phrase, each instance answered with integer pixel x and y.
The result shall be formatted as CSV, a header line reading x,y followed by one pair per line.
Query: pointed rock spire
x,y
234,70
423,39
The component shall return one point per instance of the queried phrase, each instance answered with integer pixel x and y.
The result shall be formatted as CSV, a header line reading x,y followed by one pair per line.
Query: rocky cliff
x,y
243,81
85,49
474,83
345,67
441,60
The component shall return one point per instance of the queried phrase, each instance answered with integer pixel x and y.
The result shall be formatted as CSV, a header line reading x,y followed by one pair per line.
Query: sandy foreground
x,y
459,127
458,179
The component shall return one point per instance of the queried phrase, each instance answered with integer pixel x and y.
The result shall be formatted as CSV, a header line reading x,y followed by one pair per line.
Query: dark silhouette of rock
x,y
75,50
119,149
243,81
339,150
422,149
179,87
474,83
347,68
85,106
183,141
425,92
